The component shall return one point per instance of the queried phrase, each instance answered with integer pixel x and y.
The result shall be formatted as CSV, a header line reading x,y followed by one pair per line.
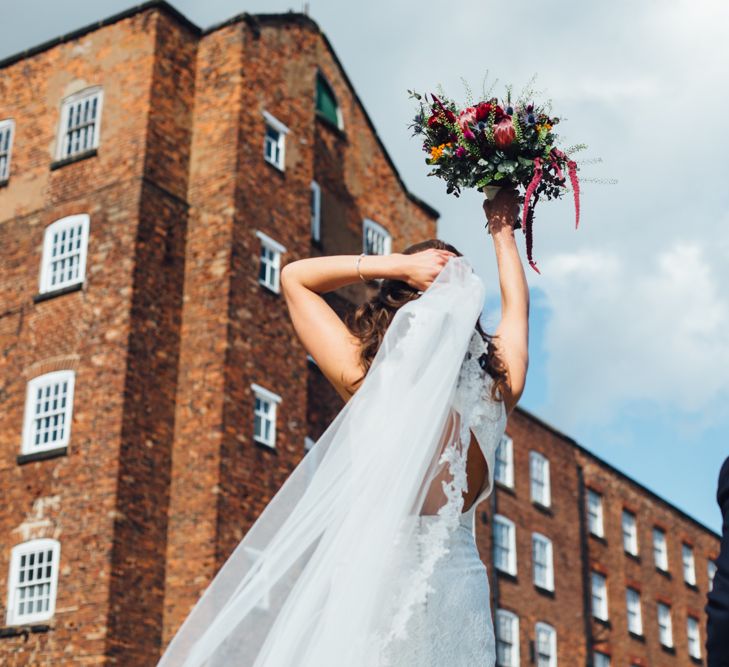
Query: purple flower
x,y
469,135
460,151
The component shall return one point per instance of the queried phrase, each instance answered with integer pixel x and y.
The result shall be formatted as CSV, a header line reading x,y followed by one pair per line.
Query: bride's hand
x,y
422,268
502,211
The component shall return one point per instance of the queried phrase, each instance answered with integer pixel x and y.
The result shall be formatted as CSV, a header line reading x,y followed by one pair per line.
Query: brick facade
x,y
577,552
171,326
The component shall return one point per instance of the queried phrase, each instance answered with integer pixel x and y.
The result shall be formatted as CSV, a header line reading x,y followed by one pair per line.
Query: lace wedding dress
x,y
452,626
364,557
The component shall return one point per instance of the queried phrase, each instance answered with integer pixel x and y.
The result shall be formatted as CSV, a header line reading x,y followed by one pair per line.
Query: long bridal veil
x,y
326,576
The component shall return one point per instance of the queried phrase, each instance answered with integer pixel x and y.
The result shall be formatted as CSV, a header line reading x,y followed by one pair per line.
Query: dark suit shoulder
x,y
722,493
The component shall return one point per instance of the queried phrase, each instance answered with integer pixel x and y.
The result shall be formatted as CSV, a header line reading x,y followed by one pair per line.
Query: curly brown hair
x,y
370,320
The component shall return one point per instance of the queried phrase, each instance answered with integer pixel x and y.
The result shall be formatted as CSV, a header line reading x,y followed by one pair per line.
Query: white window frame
x,y
634,611
601,659
263,394
42,383
61,227
599,596
7,136
660,549
315,211
13,617
595,518
502,615
552,639
665,625
711,573
510,566
693,634
688,564
504,461
629,524
371,229
272,280
63,132
541,491
548,583
278,158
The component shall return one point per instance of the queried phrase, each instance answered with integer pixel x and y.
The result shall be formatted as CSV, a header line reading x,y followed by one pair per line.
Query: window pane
x,y
326,103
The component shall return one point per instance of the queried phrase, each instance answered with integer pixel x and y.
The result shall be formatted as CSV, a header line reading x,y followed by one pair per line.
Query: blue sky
x,y
629,352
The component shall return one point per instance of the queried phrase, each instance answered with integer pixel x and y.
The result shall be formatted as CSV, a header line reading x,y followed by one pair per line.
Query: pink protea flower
x,y
466,118
504,133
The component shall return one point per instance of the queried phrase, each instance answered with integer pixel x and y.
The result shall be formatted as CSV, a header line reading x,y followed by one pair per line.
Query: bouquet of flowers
x,y
491,144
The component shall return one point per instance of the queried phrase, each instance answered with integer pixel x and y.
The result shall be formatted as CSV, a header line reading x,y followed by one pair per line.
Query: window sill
x,y
598,538
43,296
693,587
275,167
73,158
636,636
42,456
317,243
544,509
547,592
505,487
663,572
265,445
22,630
632,556
603,621
507,575
695,660
269,289
4,182
331,126
668,649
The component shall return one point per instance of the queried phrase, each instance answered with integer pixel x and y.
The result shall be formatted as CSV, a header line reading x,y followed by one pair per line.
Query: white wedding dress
x,y
364,557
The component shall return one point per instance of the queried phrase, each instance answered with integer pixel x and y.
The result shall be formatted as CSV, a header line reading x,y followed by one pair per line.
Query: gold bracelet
x,y
358,271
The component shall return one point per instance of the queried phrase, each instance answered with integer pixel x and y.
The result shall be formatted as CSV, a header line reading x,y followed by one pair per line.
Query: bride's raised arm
x,y
321,331
512,333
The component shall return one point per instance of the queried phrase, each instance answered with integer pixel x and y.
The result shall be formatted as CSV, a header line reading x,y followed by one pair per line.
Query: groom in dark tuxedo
x,y
717,609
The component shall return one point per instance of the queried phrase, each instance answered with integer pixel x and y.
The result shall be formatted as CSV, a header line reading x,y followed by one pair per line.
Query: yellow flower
x,y
436,152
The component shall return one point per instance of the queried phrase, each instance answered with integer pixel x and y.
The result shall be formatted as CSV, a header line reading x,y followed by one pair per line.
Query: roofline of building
x,y
253,21
602,462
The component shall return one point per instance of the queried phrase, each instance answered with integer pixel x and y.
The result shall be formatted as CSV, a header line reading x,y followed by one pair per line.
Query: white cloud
x,y
620,333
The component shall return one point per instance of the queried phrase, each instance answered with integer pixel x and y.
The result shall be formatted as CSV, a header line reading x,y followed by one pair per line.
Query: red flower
x,y
433,120
504,133
448,114
482,111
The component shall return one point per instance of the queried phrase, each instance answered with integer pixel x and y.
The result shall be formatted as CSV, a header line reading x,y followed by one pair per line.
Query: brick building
x,y
154,179
588,567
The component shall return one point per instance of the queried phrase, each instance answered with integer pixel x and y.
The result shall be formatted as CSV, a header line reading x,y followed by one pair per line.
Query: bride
x,y
366,556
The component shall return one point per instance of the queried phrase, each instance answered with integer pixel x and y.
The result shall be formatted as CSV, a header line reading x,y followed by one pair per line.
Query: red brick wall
x,y
71,498
621,569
